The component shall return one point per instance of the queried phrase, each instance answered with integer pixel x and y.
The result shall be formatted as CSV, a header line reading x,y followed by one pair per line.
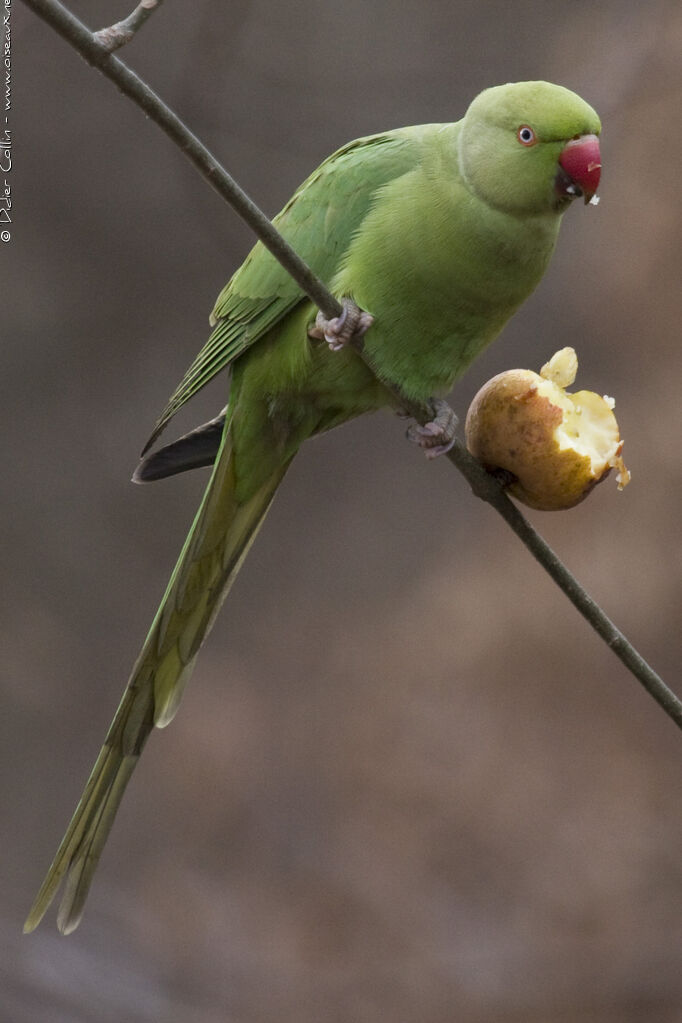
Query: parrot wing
x,y
318,222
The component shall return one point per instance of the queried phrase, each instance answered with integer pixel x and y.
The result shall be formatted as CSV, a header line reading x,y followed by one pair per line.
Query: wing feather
x,y
319,222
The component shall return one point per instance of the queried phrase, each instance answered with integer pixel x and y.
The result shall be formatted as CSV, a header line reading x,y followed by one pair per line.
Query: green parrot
x,y
433,235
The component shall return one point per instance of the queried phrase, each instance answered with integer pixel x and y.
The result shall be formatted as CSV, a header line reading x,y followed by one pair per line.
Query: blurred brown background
x,y
407,782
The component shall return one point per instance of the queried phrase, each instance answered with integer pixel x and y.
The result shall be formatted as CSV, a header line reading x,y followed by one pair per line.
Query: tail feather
x,y
82,844
218,542
84,860
192,451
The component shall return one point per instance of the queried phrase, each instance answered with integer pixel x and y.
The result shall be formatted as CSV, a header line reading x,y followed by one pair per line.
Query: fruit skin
x,y
511,426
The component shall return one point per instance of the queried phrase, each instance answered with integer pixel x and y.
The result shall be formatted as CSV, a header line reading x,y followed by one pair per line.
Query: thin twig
x,y
82,39
485,486
481,482
115,36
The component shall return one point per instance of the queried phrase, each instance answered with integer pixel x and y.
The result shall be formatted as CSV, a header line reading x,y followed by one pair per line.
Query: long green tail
x,y
218,541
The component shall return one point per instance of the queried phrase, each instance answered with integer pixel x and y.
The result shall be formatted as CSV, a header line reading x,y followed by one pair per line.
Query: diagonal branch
x,y
481,482
82,39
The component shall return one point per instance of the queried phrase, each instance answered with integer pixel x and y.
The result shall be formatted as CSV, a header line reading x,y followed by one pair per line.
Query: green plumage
x,y
440,232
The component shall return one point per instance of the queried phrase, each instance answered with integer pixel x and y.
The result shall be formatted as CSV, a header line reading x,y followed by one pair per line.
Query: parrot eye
x,y
526,136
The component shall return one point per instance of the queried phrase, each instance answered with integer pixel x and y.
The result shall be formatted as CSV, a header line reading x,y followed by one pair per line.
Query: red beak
x,y
580,161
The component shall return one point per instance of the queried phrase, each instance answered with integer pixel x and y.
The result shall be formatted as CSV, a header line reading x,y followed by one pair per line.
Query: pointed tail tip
x,y
67,924
34,917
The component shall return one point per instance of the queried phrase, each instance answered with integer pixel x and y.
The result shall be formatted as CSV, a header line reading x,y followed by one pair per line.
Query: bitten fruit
x,y
552,446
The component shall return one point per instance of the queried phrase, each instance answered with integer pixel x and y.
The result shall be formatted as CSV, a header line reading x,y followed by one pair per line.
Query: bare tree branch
x,y
115,36
481,482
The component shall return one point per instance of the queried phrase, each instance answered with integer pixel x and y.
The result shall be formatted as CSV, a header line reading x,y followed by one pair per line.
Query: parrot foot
x,y
344,329
437,436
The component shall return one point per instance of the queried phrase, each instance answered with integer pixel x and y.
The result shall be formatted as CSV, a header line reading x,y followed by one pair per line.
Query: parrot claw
x,y
437,436
344,329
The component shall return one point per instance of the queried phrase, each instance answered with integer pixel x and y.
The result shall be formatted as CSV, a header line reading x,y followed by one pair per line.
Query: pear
x,y
554,446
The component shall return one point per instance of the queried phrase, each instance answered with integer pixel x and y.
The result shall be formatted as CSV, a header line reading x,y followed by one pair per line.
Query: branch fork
x,y
115,36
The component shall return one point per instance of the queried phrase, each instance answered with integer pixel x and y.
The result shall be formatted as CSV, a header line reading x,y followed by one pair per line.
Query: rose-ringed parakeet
x,y
437,233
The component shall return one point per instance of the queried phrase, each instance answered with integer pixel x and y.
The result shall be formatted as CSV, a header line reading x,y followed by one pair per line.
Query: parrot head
x,y
530,147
